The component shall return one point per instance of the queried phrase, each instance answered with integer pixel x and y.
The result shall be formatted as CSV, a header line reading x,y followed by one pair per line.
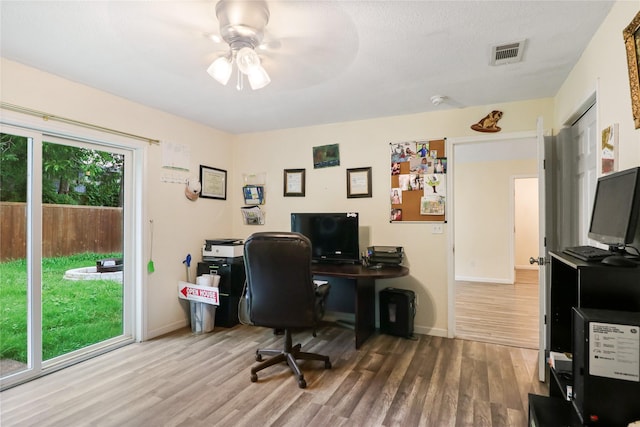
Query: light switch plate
x,y
436,229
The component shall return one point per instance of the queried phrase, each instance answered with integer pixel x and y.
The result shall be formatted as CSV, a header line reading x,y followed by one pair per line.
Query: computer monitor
x,y
334,236
616,209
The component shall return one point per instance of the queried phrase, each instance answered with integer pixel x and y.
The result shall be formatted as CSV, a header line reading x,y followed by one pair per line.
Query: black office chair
x,y
282,295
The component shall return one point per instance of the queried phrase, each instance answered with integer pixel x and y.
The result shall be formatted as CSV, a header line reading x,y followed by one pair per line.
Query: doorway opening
x,y
495,289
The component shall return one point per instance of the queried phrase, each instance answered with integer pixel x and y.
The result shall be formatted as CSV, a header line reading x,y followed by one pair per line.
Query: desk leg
x,y
365,309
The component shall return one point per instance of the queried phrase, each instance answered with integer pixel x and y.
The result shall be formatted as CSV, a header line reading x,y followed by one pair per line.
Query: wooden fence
x,y
66,230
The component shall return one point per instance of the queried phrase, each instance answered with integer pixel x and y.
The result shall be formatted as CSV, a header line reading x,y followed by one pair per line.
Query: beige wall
x,y
484,218
603,65
525,222
366,143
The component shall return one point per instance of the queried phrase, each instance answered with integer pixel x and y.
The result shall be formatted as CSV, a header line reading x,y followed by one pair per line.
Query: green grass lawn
x,y
75,314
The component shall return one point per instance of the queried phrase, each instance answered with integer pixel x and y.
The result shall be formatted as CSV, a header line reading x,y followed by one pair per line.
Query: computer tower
x,y
397,312
232,276
606,366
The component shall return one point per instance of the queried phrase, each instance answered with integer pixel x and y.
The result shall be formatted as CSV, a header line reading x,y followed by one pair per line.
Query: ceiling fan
x,y
242,25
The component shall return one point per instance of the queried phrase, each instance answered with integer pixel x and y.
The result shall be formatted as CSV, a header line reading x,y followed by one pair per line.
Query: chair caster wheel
x,y
254,378
327,365
302,383
258,358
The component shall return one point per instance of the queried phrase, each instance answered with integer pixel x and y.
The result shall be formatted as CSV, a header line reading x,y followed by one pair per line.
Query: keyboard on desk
x,y
588,253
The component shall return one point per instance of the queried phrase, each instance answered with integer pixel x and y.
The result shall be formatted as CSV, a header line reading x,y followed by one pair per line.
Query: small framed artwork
x,y
359,182
326,156
294,182
609,149
214,183
631,36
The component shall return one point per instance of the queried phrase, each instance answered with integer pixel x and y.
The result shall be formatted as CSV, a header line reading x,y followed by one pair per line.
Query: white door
x,y
584,136
542,250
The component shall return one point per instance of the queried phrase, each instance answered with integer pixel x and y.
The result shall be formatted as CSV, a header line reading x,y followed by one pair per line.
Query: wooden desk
x,y
364,279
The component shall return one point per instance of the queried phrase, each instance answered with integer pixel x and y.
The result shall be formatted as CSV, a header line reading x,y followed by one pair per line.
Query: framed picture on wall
x,y
214,183
609,149
326,156
359,182
294,182
631,36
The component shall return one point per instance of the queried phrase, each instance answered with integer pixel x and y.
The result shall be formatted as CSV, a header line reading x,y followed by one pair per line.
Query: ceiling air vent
x,y
507,53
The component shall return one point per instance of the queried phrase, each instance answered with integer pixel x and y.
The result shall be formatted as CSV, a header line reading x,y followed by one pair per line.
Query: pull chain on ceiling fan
x,y
242,26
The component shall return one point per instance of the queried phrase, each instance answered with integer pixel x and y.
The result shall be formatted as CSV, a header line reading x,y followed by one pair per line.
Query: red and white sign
x,y
206,294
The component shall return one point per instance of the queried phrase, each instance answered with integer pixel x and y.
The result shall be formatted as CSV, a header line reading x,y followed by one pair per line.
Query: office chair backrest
x,y
279,280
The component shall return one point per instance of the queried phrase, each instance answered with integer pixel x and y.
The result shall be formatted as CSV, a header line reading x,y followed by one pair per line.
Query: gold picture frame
x,y
294,182
631,36
358,182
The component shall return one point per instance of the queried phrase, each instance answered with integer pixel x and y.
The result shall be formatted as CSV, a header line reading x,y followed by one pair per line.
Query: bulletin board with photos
x,y
418,181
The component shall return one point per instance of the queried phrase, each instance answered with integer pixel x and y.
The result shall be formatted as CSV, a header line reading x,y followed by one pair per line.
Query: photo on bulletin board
x,y
402,151
396,196
422,148
440,165
435,183
432,204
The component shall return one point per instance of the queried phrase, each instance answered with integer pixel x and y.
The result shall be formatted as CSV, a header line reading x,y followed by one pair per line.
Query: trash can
x,y
203,317
397,312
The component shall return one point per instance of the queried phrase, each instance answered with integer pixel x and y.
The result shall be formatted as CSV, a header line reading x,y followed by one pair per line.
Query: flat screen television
x,y
616,209
334,236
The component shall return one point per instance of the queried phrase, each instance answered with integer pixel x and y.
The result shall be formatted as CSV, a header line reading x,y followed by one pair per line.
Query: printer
x,y
214,249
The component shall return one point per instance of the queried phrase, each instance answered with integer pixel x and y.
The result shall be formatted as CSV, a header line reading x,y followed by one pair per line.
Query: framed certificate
x,y
214,183
359,182
294,182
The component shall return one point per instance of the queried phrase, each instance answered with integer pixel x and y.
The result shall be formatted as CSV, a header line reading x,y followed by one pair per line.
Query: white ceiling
x,y
329,61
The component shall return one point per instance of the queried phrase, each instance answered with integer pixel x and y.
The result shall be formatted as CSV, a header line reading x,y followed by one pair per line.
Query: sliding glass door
x,y
64,272
15,292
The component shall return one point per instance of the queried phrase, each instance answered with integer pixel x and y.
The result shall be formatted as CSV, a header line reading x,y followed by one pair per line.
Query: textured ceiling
x,y
329,61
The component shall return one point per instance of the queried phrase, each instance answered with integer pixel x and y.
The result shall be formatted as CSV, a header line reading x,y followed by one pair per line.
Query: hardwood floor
x,y
499,313
203,380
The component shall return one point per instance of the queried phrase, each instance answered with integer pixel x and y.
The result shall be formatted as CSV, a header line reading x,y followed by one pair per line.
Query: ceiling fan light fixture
x,y
220,70
247,60
242,26
258,78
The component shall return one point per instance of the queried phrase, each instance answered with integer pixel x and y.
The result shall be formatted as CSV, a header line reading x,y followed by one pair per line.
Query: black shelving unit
x,y
576,283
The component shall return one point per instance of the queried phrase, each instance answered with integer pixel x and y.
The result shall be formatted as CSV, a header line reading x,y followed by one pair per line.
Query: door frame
x,y
134,324
451,142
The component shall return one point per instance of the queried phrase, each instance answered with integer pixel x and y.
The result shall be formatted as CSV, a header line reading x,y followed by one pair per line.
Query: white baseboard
x,y
483,280
166,329
427,330
527,267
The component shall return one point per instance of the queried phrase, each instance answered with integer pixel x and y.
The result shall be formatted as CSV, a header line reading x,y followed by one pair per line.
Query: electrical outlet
x,y
436,229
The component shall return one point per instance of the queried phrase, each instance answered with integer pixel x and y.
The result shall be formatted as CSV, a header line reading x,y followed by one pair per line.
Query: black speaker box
x,y
397,312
